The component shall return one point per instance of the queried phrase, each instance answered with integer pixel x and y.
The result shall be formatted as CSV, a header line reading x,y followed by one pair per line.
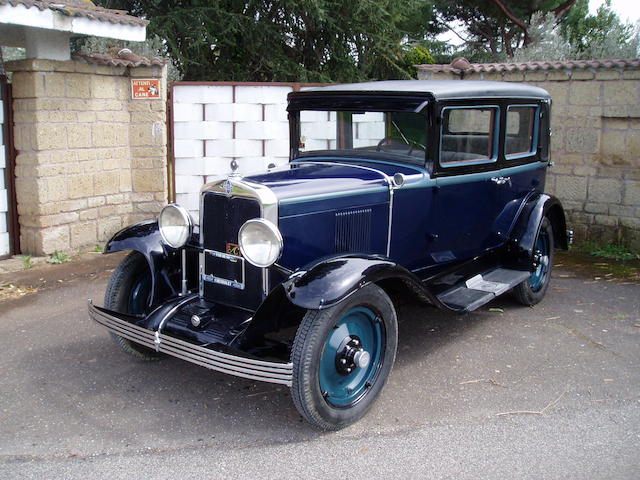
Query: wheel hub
x,y
351,355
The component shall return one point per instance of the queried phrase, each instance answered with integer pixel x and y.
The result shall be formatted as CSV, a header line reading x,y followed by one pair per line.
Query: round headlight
x,y
175,225
260,242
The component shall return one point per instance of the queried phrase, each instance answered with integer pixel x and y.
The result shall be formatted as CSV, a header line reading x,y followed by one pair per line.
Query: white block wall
x,y
213,125
4,197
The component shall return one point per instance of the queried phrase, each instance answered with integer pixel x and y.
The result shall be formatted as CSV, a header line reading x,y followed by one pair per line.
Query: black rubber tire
x,y
116,298
523,292
307,351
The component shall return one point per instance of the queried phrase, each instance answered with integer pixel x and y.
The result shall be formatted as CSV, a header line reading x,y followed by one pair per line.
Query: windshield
x,y
401,134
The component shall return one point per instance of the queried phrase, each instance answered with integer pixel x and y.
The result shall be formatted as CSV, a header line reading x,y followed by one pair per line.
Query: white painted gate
x,y
220,124
4,193
216,124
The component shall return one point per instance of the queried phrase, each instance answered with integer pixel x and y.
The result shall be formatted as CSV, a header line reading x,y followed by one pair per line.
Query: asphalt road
x,y
545,392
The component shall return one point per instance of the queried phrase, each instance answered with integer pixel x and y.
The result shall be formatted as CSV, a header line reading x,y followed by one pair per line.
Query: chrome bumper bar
x,y
272,372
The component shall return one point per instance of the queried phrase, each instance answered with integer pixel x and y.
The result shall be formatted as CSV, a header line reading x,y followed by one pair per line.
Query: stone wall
x,y
90,160
595,146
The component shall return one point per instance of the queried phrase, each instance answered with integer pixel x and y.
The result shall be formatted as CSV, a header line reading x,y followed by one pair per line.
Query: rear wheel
x,y
342,357
129,291
533,290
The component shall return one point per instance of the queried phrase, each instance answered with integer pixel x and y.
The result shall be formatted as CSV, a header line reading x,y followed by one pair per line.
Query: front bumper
x,y
271,372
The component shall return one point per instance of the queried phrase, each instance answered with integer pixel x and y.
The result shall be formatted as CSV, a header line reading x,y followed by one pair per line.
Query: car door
x,y
525,157
467,199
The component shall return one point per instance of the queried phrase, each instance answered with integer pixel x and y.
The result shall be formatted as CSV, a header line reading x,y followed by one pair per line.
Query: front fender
x,y
525,231
164,261
331,281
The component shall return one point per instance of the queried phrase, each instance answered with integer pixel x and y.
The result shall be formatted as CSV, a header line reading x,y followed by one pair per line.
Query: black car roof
x,y
439,89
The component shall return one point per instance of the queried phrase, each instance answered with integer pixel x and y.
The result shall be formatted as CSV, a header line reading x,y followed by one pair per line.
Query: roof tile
x,y
629,63
81,8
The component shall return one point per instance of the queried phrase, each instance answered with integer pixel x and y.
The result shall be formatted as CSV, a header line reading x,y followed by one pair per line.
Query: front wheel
x,y
342,357
129,291
533,290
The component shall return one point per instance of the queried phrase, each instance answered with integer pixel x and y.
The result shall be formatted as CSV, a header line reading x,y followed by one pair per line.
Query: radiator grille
x,y
222,218
353,231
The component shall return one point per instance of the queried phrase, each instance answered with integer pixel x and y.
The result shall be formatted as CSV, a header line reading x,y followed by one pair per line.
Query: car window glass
x,y
468,135
401,134
521,131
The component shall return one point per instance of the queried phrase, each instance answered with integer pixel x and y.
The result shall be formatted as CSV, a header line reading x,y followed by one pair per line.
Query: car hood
x,y
309,180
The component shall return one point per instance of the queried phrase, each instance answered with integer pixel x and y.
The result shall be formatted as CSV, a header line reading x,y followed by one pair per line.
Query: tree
x,y
602,35
497,27
286,40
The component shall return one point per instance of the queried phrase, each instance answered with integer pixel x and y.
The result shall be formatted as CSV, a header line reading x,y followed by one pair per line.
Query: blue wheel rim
x,y
343,390
541,265
139,295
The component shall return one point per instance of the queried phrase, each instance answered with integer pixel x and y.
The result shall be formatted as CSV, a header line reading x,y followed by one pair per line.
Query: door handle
x,y
501,180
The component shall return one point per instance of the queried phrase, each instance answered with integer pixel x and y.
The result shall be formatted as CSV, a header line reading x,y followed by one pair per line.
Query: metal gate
x,y
8,216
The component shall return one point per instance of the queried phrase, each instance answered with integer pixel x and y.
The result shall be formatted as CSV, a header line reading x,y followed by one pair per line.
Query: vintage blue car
x,y
428,189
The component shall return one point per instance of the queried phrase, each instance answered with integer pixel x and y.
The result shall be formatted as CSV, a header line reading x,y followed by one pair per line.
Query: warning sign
x,y
145,88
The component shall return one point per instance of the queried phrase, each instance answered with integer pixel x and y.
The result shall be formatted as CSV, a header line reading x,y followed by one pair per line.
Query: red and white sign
x,y
145,88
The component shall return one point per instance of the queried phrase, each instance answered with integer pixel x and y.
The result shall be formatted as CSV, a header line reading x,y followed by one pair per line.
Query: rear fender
x,y
164,262
525,231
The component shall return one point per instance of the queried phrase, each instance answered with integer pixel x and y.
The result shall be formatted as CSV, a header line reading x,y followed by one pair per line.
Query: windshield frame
x,y
342,102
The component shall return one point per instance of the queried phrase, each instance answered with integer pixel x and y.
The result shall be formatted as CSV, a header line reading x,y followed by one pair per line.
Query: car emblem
x,y
233,249
228,187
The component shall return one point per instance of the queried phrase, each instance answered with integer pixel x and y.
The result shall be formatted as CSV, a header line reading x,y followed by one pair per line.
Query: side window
x,y
468,135
522,131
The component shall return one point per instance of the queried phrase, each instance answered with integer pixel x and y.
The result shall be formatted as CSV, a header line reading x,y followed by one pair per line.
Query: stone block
x,y
28,85
148,180
529,76
608,75
571,187
106,183
559,92
631,75
147,117
95,202
584,171
604,190
596,208
614,143
78,85
631,193
83,234
50,137
80,186
621,93
582,140
585,93
145,134
616,123
107,227
109,134
607,220
558,75
113,117
125,181
79,136
56,188
52,239
582,75
90,214
622,210
103,86
115,199
54,84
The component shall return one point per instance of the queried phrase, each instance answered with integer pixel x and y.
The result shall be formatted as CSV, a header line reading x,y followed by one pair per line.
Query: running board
x,y
481,289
